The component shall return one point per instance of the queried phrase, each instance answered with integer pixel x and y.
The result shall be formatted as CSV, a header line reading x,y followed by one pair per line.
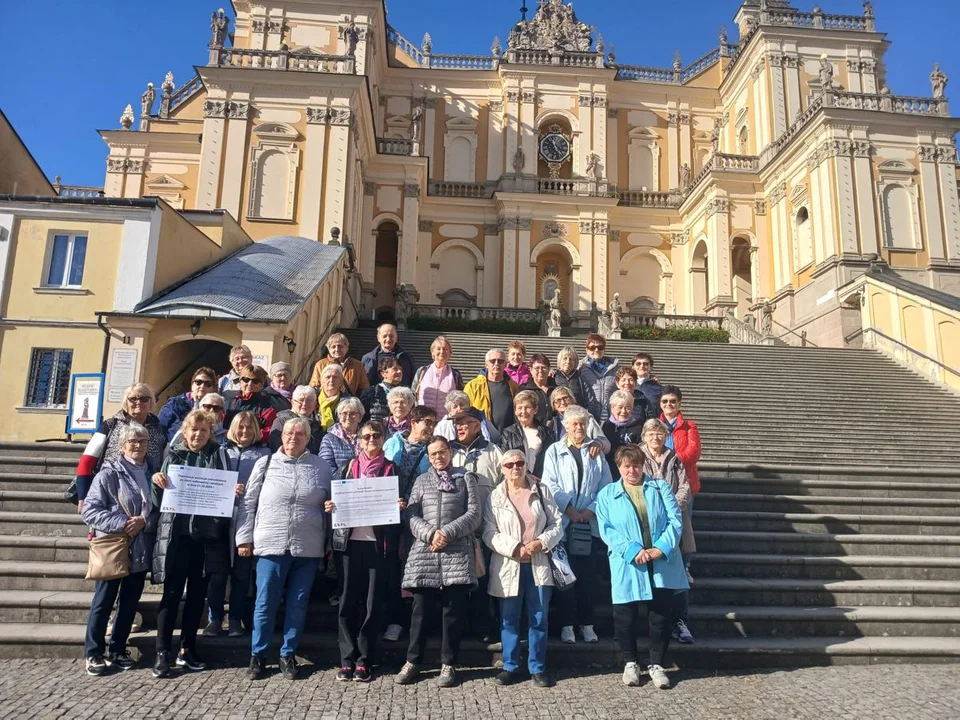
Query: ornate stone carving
x,y
759,207
556,314
238,110
116,165
686,176
927,153
329,116
496,106
496,47
518,161
369,187
947,154
553,27
258,26
528,96
219,22
757,69
214,108
718,205
615,235
599,101
524,223
586,227
861,148
776,59
425,225
594,167
600,227
135,166
513,96
555,229
679,238
584,101
778,193
411,190
491,229
791,61
613,113
508,223
351,37
826,74
275,27
938,81
426,44
146,101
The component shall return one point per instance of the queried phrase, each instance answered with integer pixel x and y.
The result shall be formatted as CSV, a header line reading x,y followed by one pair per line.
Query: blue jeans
x,y
128,589
537,601
239,585
273,571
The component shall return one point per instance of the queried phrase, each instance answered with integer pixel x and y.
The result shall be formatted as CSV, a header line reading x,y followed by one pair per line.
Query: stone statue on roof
x,y
219,22
826,73
146,101
554,27
938,80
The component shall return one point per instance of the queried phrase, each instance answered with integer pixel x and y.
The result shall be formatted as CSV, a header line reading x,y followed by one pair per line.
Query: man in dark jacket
x,y
387,339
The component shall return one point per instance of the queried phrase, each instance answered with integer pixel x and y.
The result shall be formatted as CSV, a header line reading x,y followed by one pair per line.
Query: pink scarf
x,y
371,467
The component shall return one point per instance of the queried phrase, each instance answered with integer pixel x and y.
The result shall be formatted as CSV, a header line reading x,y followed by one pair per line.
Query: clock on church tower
x,y
555,148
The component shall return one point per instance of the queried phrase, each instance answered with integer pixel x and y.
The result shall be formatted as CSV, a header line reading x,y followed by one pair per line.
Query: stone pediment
x,y
461,123
799,194
896,167
164,182
276,130
642,133
554,27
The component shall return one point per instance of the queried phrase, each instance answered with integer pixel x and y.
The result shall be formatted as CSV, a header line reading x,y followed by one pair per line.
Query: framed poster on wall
x,y
86,403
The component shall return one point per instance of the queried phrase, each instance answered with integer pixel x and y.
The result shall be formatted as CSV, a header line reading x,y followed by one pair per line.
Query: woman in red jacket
x,y
684,440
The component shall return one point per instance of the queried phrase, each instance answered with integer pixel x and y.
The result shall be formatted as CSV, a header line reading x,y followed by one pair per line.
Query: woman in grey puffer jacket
x,y
443,513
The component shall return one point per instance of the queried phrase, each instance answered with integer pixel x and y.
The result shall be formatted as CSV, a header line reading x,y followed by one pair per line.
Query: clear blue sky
x,y
71,69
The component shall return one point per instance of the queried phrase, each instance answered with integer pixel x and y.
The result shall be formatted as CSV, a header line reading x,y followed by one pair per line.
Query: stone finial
x,y
496,48
219,22
938,81
677,62
168,85
426,44
723,35
600,44
126,120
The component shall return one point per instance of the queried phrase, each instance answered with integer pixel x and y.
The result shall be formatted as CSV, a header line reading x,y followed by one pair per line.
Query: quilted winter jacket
x,y
513,438
602,385
502,532
172,414
282,510
458,514
686,443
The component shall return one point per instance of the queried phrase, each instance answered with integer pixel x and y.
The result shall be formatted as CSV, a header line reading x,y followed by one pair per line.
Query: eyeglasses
x,y
641,363
254,380
496,361
665,401
137,443
139,399
205,383
212,408
371,436
516,464
349,413
596,347
562,401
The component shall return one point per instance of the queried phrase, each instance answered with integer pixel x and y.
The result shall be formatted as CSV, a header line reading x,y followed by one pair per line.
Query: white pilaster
x,y
491,261
686,150
931,218
585,146
601,280
783,246
792,71
600,130
755,291
673,150
613,146
866,207
761,106
817,216
429,138
586,295
721,282
211,162
846,204
526,275
6,241
528,133
313,182
779,97
495,142
509,283
335,179
407,265
512,116
830,241
234,162
367,246
951,209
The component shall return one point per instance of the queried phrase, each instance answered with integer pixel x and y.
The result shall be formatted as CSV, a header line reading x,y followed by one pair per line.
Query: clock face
x,y
554,147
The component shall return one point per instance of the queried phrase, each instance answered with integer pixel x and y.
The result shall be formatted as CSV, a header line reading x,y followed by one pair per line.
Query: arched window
x,y
274,163
803,238
898,218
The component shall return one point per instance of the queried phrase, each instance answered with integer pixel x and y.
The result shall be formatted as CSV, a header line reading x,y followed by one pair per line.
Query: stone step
x,y
38,640
38,464
28,548
826,593
708,622
823,567
63,607
34,501
819,504
45,575
721,486
35,482
826,523
60,524
46,449
819,471
794,543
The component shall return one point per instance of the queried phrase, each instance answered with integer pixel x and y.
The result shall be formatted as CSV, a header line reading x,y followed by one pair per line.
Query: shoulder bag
x,y
563,576
109,555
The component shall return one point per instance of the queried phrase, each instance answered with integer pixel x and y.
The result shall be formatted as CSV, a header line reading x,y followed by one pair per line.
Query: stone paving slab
x,y
61,689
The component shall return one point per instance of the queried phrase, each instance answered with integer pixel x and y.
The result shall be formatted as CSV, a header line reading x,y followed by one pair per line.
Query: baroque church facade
x,y
768,173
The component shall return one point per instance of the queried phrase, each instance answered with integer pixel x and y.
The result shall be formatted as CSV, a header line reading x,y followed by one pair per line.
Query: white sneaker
x,y
631,674
658,676
682,634
393,633
588,634
566,635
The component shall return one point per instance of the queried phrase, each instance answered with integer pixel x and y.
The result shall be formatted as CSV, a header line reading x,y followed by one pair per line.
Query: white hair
x,y
575,412
298,422
456,399
403,393
621,397
332,367
132,431
302,392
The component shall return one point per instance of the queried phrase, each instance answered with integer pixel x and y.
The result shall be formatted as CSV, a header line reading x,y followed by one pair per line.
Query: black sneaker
x,y
345,674
161,666
542,680
121,661
288,667
188,659
96,665
505,677
256,669
362,674
213,628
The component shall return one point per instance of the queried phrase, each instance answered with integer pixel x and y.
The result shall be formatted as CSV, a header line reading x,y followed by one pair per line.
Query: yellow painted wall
x,y
19,172
31,239
183,249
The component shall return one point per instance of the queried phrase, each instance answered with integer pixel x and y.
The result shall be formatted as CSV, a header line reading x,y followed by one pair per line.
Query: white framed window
x,y
65,260
48,384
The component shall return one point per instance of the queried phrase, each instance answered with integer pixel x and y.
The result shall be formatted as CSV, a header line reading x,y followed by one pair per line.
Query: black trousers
x,y
396,609
184,567
626,625
575,606
358,624
454,601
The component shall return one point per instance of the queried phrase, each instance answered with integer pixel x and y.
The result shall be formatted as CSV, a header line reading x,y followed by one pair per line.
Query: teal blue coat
x,y
620,530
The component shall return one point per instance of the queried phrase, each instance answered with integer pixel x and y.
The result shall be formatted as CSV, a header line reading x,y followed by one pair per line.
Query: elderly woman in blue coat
x,y
641,523
575,474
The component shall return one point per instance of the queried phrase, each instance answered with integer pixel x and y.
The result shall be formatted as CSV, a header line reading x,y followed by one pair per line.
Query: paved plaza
x,y
60,689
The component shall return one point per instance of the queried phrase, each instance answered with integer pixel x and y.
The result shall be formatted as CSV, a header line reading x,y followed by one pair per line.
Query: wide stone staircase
x,y
828,523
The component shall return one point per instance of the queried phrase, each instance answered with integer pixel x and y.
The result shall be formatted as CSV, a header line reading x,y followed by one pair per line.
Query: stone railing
x,y
476,313
185,91
405,45
462,62
576,186
78,191
819,20
640,320
884,102
774,148
286,60
702,63
461,189
645,199
743,334
394,146
642,73
735,163
564,58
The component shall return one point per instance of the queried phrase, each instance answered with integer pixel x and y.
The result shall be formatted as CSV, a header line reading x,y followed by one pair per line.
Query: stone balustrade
x,y
462,62
640,73
702,63
476,313
185,91
645,199
286,60
564,58
641,320
78,191
743,334
394,146
884,102
576,186
461,189
774,148
818,20
405,45
735,163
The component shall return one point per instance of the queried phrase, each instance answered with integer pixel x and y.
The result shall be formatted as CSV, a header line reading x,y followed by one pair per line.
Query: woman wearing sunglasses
x,y
252,398
521,523
363,559
171,415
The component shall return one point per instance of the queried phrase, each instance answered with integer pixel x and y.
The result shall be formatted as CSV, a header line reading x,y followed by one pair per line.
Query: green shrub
x,y
510,327
705,335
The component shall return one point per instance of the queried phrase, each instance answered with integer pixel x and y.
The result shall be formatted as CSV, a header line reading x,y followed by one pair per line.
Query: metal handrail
x,y
321,338
803,338
926,357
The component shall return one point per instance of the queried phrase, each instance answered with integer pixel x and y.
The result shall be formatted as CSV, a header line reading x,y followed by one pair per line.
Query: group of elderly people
x,y
524,474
